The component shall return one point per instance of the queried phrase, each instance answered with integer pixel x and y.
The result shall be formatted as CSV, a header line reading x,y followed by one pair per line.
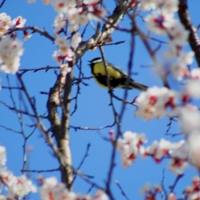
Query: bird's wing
x,y
128,82
123,73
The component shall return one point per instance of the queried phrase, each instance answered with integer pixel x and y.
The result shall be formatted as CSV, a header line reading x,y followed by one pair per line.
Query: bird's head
x,y
95,60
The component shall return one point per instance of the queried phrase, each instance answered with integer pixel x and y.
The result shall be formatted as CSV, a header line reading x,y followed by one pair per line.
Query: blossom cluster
x,y
191,87
10,52
6,23
17,187
76,13
50,189
10,48
66,51
162,21
132,145
193,192
156,102
149,192
160,102
71,16
177,152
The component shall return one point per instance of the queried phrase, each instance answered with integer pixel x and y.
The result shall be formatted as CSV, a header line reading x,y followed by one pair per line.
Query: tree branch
x,y
61,128
193,36
33,29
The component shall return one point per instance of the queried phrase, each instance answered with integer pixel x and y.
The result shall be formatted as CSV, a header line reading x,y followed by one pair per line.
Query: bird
x,y
118,78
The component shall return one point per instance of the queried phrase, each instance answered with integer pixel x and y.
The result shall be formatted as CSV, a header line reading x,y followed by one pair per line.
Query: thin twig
x,y
162,184
82,161
33,29
172,187
85,128
10,129
40,171
2,3
121,190
47,68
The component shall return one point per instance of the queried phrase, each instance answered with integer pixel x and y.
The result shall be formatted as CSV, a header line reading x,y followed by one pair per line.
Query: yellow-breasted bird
x,y
118,78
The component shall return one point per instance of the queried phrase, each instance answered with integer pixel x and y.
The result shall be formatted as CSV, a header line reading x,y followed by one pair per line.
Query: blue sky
x,y
93,109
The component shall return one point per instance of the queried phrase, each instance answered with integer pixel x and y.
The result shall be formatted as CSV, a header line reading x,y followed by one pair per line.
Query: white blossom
x,y
159,23
168,6
62,5
96,12
3,158
5,23
10,52
100,195
159,149
194,148
147,5
64,54
189,118
61,42
65,69
50,189
179,70
129,147
150,192
75,40
171,196
178,33
59,23
155,102
21,187
179,156
186,58
191,89
90,1
195,73
19,22
7,177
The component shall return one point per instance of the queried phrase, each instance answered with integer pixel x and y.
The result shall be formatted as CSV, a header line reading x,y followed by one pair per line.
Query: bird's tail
x,y
131,84
139,86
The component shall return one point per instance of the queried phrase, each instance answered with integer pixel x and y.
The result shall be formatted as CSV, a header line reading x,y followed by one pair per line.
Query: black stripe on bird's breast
x,y
103,80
